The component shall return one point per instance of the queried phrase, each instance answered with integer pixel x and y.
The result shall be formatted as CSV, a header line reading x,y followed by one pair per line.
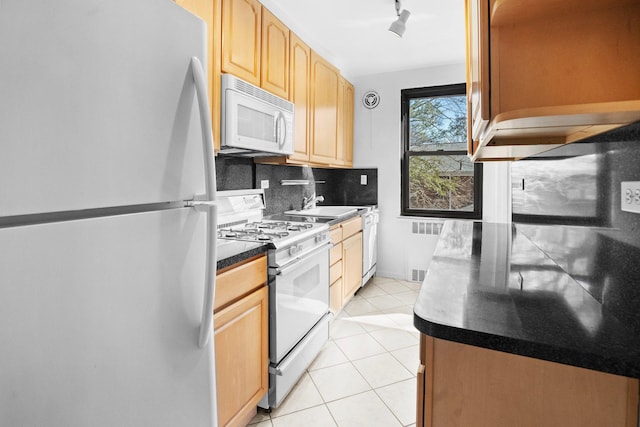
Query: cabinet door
x,y
352,264
335,296
241,342
466,385
339,161
299,94
344,148
241,39
477,15
324,110
209,12
347,124
275,55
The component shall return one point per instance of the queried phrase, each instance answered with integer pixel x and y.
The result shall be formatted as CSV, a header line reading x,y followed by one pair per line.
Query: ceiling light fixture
x,y
399,26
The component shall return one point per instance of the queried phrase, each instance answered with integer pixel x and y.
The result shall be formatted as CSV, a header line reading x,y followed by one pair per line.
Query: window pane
x,y
442,182
438,123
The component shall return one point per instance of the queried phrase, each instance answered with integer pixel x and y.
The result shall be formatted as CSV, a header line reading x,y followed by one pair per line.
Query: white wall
x,y
377,143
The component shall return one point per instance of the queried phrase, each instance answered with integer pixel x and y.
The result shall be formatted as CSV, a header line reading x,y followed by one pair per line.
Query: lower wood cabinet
x,y
241,316
461,385
345,261
352,264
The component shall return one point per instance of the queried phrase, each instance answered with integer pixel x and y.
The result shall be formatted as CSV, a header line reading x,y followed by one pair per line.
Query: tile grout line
x,y
378,311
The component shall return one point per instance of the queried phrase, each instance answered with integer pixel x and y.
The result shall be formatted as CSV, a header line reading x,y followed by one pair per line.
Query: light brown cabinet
x,y
242,39
241,340
345,259
247,40
549,73
463,385
344,148
348,115
210,12
325,80
274,60
299,94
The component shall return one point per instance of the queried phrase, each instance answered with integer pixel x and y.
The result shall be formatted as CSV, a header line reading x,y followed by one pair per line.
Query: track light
x,y
399,26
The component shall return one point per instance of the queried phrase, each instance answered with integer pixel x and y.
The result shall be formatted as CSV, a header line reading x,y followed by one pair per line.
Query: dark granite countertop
x,y
231,252
564,294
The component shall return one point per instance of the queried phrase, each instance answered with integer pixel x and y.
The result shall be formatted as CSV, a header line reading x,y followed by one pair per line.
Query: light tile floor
x,y
366,373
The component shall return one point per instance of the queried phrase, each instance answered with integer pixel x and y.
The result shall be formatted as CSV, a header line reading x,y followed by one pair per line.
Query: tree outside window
x,y
438,179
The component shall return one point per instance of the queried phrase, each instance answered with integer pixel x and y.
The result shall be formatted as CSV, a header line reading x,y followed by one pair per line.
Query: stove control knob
x,y
322,237
293,250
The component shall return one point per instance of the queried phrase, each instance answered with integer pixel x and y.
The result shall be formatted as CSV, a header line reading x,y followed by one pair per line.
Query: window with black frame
x,y
438,178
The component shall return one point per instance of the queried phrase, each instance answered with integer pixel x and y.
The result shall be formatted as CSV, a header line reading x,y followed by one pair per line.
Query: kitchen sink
x,y
325,211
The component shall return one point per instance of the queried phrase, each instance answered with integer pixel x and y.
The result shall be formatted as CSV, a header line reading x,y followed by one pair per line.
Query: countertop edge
x,y
240,256
519,347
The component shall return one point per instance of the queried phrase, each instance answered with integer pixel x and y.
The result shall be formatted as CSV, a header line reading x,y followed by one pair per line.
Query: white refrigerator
x,y
107,225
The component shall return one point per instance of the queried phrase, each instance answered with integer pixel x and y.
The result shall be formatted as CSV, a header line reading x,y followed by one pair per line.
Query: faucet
x,y
310,202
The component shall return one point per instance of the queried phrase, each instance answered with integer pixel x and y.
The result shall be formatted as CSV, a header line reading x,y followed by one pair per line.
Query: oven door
x,y
298,298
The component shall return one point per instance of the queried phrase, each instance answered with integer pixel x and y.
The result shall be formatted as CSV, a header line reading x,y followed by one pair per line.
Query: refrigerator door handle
x,y
206,327
205,123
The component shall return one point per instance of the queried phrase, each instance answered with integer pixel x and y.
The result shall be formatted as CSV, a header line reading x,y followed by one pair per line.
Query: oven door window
x,y
299,299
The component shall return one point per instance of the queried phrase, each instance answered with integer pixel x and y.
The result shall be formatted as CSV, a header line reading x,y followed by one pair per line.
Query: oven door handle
x,y
294,263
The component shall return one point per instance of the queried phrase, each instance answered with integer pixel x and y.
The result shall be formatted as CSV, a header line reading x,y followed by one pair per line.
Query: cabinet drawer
x,y
336,253
335,272
351,226
336,234
335,296
239,280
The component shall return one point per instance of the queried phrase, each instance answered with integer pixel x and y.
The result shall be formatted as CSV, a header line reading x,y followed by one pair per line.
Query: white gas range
x,y
298,260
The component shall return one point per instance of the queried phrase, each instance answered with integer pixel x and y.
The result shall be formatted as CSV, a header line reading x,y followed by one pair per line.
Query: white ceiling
x,y
353,34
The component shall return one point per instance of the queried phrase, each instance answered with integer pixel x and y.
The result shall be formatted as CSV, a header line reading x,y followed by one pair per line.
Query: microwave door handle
x,y
281,129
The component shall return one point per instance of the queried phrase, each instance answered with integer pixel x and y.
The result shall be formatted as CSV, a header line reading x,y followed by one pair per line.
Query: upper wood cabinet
x,y
275,55
241,39
345,123
210,12
546,73
325,80
299,94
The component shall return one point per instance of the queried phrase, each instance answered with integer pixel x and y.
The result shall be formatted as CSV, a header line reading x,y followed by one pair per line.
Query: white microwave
x,y
254,122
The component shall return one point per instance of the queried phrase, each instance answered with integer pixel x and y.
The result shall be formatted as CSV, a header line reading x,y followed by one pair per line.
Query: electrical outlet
x,y
264,183
630,196
363,179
